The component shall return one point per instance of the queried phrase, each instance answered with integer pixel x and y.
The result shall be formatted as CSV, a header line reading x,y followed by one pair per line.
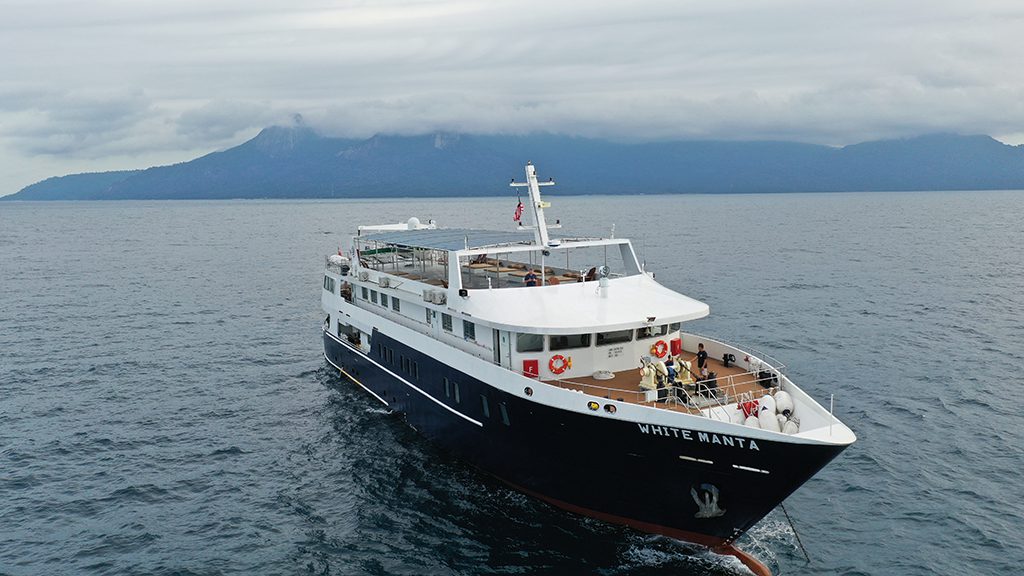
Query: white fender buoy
x,y
752,421
768,420
767,401
737,416
784,403
791,427
782,420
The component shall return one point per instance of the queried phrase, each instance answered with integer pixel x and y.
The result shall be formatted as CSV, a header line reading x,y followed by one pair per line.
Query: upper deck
x,y
580,283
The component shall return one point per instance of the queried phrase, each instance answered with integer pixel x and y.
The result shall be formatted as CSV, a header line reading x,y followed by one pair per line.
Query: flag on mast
x,y
519,211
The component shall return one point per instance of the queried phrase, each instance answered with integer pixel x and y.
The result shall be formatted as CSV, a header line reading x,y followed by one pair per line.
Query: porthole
x,y
593,405
528,391
609,408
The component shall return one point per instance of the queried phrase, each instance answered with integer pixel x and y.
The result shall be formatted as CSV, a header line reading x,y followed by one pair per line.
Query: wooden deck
x,y
733,383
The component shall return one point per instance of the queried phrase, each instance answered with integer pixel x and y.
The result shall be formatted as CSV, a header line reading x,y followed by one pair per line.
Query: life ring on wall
x,y
659,349
559,364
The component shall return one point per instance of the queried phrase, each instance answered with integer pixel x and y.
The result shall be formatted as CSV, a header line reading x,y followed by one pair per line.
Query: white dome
x,y
414,223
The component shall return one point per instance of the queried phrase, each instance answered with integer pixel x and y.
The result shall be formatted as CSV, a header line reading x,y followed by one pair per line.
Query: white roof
x,y
577,308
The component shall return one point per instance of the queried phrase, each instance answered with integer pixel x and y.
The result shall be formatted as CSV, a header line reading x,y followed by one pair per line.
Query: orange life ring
x,y
659,349
559,364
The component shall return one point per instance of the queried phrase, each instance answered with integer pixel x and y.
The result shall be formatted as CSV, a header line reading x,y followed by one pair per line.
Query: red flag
x,y
519,212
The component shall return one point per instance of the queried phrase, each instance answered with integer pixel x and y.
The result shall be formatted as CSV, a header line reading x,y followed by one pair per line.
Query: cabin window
x,y
458,396
529,342
468,330
395,304
504,414
675,326
446,321
366,293
429,317
615,337
568,341
486,405
383,299
329,284
651,331
391,356
373,296
447,388
416,369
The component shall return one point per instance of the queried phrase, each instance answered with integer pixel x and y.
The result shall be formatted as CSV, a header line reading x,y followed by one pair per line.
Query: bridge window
x,y
651,331
529,342
468,330
615,337
569,341
366,293
383,299
329,284
395,304
446,321
373,296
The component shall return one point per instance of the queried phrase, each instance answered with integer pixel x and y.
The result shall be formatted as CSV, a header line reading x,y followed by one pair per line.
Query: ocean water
x,y
165,407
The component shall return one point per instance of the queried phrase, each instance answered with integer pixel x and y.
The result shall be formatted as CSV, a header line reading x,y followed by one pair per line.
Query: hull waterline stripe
x,y
406,382
350,377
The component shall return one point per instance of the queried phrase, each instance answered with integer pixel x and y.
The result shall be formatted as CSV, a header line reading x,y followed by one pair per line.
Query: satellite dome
x,y
414,223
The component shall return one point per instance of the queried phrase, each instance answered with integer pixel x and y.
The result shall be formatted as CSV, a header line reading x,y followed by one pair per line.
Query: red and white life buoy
x,y
659,349
559,364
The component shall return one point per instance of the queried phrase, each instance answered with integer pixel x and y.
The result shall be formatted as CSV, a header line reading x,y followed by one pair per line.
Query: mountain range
x,y
298,162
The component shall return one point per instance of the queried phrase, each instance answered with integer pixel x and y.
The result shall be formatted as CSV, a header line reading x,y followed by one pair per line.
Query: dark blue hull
x,y
682,483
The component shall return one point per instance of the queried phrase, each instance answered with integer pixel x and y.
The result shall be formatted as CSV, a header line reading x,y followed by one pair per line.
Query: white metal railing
x,y
769,362
695,396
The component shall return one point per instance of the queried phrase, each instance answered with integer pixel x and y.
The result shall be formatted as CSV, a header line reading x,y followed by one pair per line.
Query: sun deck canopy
x,y
631,302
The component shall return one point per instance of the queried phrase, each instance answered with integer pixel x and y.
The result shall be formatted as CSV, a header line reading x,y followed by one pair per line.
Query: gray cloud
x,y
113,80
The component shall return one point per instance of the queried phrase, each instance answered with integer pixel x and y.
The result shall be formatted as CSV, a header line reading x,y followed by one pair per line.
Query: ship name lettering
x,y
705,437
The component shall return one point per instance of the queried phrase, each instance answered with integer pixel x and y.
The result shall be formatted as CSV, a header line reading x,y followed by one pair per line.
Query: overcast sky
x,y
112,84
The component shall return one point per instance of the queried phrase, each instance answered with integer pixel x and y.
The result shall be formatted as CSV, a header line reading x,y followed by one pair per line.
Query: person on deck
x,y
530,279
701,358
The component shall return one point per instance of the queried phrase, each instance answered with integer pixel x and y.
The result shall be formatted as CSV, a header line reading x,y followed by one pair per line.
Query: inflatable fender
x,y
767,402
791,427
752,421
784,403
768,420
782,421
737,416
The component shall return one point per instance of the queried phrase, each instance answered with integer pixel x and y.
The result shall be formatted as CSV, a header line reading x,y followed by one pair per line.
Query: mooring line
x,y
793,528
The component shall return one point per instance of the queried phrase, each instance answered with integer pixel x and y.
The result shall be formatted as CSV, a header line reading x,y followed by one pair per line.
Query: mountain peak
x,y
275,140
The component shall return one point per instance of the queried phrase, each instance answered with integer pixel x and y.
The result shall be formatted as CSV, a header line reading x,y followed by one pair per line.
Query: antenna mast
x,y
537,205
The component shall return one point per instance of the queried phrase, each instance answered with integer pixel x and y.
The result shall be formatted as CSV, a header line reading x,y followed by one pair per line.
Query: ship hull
x,y
684,483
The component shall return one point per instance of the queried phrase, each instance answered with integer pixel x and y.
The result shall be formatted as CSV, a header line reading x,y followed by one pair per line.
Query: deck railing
x,y
729,390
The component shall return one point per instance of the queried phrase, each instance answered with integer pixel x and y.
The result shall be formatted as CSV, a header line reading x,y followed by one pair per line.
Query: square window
x,y
395,304
366,293
373,296
468,330
446,322
384,300
529,342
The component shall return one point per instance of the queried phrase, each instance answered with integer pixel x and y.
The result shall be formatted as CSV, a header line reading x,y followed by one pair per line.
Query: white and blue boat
x,y
544,361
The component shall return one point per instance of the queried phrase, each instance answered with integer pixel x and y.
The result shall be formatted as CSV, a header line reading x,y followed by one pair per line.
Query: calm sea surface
x,y
165,407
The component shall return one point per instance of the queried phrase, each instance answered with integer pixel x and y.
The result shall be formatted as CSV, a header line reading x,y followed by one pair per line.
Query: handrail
x,y
768,359
726,393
